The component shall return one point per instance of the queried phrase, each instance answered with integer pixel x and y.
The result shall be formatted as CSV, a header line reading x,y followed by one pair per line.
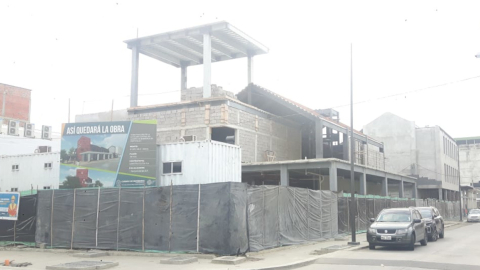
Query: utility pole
x,y
352,156
68,110
459,187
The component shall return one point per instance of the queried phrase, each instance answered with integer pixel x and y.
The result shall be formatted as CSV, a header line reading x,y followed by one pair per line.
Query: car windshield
x,y
426,213
475,211
394,216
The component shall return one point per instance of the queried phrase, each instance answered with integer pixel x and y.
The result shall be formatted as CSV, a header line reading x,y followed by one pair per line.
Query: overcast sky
x,y
67,49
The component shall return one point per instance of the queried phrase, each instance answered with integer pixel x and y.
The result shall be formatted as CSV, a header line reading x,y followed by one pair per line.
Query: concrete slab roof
x,y
328,160
185,47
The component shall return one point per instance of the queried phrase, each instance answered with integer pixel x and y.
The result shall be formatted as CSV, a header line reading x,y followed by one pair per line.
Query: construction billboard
x,y
9,204
108,154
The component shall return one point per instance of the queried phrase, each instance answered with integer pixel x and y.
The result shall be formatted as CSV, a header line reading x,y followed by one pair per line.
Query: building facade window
x,y
15,167
46,187
14,189
47,165
174,167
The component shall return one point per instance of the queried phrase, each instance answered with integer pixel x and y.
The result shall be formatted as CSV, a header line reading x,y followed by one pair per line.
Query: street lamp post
x,y
352,156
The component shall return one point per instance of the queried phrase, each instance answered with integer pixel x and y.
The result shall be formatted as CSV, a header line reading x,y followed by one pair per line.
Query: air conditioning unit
x,y
189,138
46,132
13,128
44,149
29,131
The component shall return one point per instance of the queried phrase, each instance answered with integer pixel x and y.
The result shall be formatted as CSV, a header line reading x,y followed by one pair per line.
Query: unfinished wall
x,y
196,93
253,133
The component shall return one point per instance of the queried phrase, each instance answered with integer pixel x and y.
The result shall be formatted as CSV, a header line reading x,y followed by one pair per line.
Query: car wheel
x,y
442,234
424,242
371,246
411,246
434,236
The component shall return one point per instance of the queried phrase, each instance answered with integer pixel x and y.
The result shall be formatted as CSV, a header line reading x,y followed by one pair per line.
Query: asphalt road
x,y
459,250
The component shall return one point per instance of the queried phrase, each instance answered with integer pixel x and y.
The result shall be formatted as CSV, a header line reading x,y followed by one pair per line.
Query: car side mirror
x,y
417,220
435,216
372,220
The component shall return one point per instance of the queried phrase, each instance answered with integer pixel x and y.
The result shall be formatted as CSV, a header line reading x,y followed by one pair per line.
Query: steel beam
x,y
318,138
134,79
385,186
363,184
332,177
401,190
250,69
183,78
284,179
207,65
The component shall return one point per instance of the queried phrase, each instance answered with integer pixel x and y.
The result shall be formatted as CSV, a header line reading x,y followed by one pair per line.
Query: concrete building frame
x,y
334,166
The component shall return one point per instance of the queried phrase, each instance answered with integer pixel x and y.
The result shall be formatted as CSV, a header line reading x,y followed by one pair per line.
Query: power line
x,y
409,92
385,97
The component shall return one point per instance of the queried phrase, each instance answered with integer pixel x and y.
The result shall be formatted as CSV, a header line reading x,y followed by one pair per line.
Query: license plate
x,y
386,237
474,217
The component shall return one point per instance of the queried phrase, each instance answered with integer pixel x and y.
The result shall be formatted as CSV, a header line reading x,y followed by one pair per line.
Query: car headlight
x,y
402,231
372,231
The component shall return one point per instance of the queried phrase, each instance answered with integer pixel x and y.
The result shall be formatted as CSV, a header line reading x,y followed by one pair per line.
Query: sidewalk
x,y
298,255
288,257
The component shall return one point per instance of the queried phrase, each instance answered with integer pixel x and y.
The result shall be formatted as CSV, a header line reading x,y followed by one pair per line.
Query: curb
x,y
294,265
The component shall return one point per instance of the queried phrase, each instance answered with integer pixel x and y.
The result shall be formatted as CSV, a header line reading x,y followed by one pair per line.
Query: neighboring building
x,y
427,152
28,163
469,151
469,197
15,103
198,162
13,145
29,171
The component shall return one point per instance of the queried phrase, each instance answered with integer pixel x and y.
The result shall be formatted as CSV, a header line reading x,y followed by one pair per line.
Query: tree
x,y
71,182
98,184
63,156
71,153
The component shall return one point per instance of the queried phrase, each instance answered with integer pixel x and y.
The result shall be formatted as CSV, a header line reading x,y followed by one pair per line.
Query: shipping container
x,y
198,162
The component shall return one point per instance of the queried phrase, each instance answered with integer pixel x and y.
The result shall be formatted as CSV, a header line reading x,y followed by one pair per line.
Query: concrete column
x,y
440,194
250,69
345,147
414,191
134,85
401,189
284,176
183,78
385,186
318,139
332,173
363,184
207,65
89,157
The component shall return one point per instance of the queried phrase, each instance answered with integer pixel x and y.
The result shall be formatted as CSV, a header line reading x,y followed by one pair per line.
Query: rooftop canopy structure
x,y
198,45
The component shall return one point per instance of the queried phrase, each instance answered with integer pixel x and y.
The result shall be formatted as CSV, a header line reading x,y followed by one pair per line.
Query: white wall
x,y
470,163
17,145
202,162
31,171
398,137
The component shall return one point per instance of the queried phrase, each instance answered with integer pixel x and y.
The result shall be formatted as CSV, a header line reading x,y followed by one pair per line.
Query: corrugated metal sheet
x,y
202,162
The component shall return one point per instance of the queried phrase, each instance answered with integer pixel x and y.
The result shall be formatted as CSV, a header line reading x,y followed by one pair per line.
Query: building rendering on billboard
x,y
108,154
